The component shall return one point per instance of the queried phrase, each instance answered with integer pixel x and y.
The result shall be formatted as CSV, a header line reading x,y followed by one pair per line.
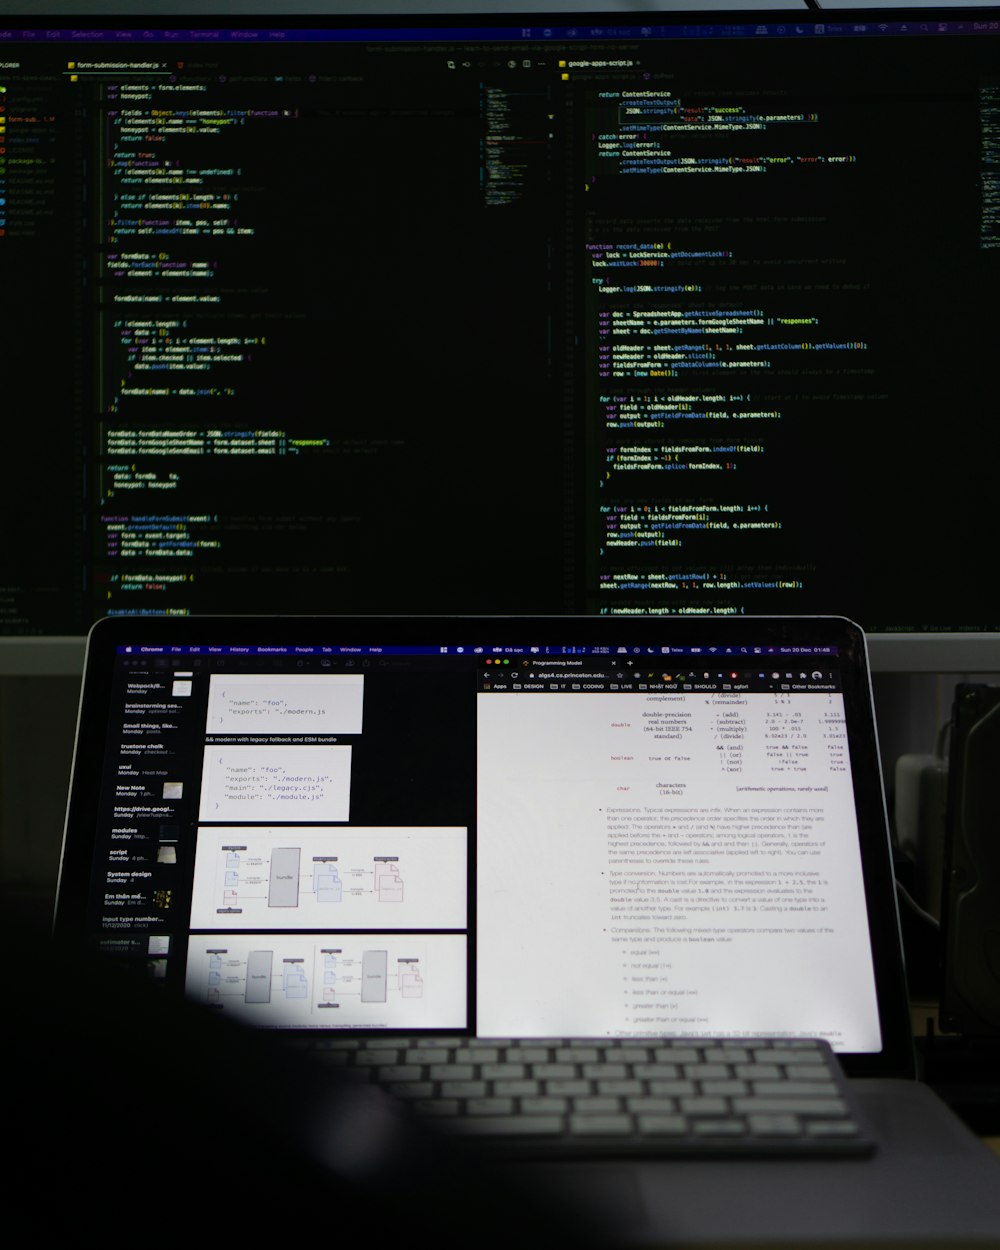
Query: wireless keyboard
x,y
605,1097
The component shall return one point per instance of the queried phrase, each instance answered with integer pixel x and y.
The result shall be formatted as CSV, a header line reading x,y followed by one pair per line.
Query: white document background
x,y
285,703
670,864
276,783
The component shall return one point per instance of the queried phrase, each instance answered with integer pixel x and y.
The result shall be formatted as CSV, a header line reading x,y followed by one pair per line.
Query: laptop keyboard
x,y
607,1097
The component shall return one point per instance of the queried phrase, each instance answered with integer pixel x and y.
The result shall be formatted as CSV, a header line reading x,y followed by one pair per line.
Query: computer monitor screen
x,y
448,315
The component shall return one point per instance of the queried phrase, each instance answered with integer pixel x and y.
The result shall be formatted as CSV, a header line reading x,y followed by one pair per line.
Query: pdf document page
x,y
681,863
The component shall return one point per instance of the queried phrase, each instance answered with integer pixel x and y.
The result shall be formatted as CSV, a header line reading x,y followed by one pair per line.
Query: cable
x,y
912,903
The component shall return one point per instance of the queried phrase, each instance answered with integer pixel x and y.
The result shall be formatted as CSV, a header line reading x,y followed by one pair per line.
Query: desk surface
x,y
930,1185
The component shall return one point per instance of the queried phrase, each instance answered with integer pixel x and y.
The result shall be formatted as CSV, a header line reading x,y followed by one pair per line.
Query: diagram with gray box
x,y
374,971
283,888
361,877
384,980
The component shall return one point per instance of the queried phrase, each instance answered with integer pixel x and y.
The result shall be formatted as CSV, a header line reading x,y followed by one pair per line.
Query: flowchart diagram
x,y
365,877
341,977
332,981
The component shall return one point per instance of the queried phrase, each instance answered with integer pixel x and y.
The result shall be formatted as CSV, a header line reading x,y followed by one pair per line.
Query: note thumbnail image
x,y
362,877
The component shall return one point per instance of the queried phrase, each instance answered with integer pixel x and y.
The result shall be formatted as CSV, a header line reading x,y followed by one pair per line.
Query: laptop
x,y
574,827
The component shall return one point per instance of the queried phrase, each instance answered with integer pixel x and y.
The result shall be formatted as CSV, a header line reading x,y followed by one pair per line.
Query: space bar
x,y
504,1125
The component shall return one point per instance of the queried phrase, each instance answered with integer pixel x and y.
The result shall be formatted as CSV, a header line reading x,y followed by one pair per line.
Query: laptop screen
x,y
574,826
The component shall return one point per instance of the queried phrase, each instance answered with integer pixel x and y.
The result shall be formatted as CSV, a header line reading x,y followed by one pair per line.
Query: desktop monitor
x,y
629,314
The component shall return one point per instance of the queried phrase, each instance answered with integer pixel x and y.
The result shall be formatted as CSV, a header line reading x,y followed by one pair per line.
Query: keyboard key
x,y
631,1054
679,1097
424,1054
831,1128
676,1054
706,1071
725,1089
451,1072
528,1054
703,1105
412,1089
791,1106
577,1054
775,1125
544,1105
673,1089
508,1126
618,1087
503,1071
727,1054
480,1055
517,1088
673,1125
601,1071
757,1072
657,1071
808,1071
719,1128
463,1089
787,1089
640,1105
399,1072
601,1125
489,1106
595,1104
571,1088
551,1071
